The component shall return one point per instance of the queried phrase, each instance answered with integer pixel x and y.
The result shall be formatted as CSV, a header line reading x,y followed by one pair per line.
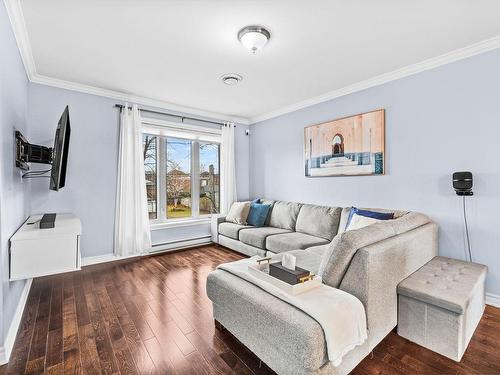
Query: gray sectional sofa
x,y
289,226
368,263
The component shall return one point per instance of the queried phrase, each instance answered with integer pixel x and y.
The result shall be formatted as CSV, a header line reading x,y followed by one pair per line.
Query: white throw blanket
x,y
340,314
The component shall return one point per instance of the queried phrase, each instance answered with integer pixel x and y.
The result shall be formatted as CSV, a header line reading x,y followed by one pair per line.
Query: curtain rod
x,y
121,106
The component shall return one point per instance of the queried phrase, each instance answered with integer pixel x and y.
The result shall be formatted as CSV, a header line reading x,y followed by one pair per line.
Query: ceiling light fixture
x,y
254,37
231,79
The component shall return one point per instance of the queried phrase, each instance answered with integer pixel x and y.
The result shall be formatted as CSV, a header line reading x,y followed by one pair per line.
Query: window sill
x,y
180,223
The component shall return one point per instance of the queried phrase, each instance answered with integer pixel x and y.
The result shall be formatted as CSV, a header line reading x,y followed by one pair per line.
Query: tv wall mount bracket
x,y
31,153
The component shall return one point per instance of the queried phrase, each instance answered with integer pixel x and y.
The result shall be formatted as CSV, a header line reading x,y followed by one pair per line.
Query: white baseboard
x,y
87,261
179,245
172,246
492,299
10,338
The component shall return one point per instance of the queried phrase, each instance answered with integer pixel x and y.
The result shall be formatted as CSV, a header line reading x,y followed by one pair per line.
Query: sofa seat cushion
x,y
318,250
257,236
292,241
284,215
318,221
231,230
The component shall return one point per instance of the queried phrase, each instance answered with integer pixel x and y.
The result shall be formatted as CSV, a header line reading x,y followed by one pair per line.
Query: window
x,y
151,171
182,172
209,178
178,178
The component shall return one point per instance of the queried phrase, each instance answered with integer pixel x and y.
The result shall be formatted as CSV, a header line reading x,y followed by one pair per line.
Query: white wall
x,y
437,122
92,165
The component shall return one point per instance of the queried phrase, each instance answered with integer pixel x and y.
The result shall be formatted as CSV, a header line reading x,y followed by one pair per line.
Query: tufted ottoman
x,y
441,304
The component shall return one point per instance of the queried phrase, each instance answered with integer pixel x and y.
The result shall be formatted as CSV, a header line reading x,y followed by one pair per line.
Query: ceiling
x,y
176,51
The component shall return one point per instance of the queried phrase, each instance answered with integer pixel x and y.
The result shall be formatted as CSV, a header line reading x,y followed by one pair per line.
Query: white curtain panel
x,y
228,168
132,232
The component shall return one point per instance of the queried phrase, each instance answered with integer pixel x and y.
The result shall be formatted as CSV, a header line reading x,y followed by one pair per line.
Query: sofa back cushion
x,y
341,250
269,202
284,215
318,221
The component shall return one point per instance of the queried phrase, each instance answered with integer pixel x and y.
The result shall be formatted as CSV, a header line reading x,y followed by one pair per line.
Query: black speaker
x,y
462,183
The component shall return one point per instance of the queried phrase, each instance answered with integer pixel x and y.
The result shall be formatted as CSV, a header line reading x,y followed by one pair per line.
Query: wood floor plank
x,y
20,352
82,312
199,366
88,350
107,360
71,344
36,359
54,348
162,363
122,353
208,353
134,342
151,315
169,347
54,355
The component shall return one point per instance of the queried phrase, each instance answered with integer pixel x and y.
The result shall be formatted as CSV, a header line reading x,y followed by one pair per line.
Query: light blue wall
x,y
437,122
91,175
13,191
92,165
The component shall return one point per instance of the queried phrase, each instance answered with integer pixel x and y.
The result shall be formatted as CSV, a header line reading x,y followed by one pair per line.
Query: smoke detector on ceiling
x,y
231,79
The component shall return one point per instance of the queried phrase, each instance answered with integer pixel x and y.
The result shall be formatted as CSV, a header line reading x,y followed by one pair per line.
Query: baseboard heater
x,y
181,244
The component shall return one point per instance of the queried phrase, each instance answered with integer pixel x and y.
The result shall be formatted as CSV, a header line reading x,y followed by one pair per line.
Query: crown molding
x,y
15,12
141,100
16,16
447,58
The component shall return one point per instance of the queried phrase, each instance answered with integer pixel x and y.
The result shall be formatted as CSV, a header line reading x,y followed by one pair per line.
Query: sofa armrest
x,y
214,226
376,270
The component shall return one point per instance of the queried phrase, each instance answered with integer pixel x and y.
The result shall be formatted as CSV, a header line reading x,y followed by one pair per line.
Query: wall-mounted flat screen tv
x,y
60,152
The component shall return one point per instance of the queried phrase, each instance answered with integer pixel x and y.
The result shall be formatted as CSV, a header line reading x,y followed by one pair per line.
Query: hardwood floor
x,y
152,316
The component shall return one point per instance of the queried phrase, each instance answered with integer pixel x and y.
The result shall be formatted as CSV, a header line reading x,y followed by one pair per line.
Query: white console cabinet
x,y
39,252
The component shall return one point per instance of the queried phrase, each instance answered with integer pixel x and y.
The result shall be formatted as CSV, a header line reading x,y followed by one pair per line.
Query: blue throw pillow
x,y
258,214
372,214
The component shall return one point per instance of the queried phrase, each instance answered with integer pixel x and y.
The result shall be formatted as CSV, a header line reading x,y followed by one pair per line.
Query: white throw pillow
x,y
358,221
238,213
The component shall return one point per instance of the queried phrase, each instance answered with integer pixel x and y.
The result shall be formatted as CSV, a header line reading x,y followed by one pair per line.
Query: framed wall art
x,y
350,146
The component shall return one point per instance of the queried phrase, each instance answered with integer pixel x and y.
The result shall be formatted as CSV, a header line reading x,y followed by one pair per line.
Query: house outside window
x,y
182,170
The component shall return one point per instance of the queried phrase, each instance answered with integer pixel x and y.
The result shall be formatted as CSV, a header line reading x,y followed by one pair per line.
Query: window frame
x,y
162,130
157,178
220,179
